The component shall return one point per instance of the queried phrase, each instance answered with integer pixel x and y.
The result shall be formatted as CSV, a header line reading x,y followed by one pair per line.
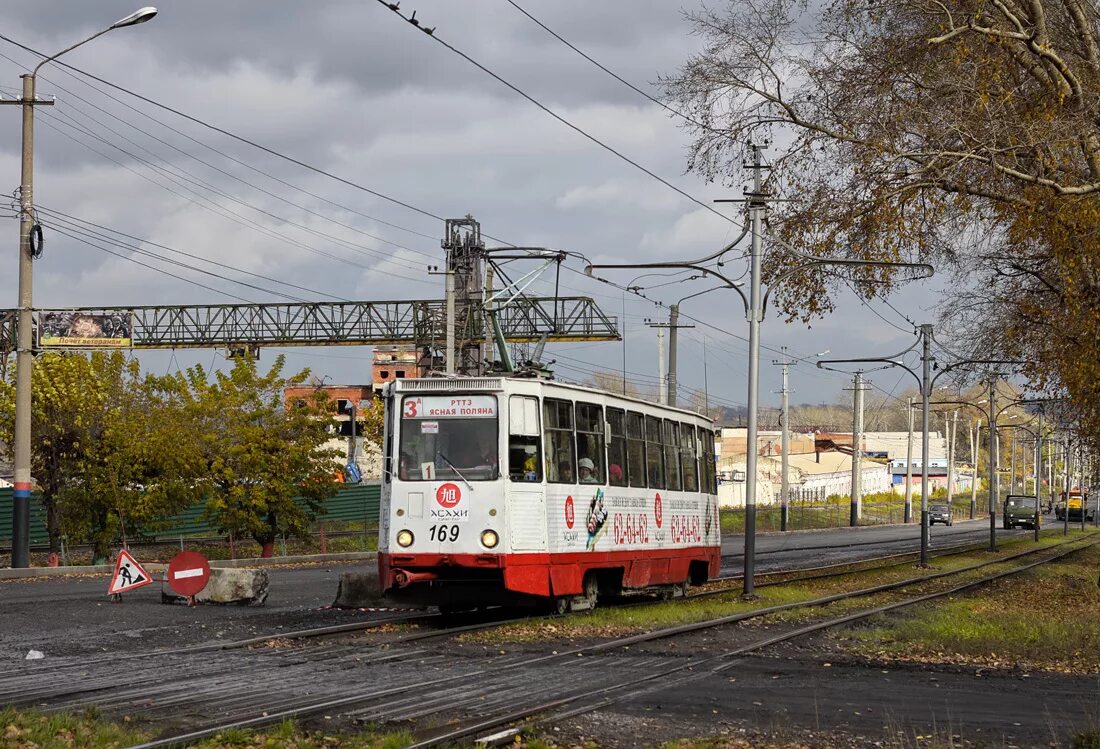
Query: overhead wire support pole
x,y
909,465
856,498
755,305
926,382
785,442
24,357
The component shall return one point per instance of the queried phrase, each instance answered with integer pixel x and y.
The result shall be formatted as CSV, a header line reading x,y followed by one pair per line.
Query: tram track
x,y
249,700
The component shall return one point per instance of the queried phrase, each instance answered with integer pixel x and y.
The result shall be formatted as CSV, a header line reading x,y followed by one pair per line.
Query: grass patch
x,y
33,730
619,621
1043,619
835,513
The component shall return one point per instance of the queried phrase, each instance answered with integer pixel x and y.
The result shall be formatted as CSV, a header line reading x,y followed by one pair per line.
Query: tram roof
x,y
494,384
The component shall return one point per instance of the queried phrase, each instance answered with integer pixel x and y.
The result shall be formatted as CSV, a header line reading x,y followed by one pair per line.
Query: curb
x,y
95,569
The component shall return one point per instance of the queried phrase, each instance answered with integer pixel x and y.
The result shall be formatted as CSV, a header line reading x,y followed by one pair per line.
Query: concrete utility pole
x,y
785,442
24,356
949,427
1012,463
1066,484
756,206
909,466
1038,473
993,464
975,441
926,392
1081,480
662,382
856,505
673,326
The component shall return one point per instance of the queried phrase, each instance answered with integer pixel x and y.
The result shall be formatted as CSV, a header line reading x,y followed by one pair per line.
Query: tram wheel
x,y
562,605
591,590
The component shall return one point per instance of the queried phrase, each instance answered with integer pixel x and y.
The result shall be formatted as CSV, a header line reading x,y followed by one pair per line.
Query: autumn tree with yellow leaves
x,y
964,133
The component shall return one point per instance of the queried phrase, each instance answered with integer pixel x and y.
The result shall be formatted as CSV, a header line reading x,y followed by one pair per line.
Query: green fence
x,y
356,503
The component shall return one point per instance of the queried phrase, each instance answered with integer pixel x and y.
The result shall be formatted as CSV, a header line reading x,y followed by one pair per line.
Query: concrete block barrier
x,y
243,587
358,590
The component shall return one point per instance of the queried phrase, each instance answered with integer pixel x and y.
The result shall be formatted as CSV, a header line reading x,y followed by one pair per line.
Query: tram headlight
x,y
489,539
404,539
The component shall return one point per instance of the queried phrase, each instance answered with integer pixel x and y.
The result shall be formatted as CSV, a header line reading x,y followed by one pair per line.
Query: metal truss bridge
x,y
423,322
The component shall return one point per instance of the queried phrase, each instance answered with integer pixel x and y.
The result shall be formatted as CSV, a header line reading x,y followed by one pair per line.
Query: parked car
x,y
939,513
1019,511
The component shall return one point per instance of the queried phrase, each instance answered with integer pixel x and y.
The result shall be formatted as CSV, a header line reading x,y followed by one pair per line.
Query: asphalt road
x,y
72,615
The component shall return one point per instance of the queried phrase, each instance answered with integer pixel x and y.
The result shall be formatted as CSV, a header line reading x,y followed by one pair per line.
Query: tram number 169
x,y
443,532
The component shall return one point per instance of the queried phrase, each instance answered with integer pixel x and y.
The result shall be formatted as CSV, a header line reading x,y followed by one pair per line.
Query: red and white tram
x,y
506,490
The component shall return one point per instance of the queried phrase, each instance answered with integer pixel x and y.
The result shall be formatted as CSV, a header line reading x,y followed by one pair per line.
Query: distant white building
x,y
811,476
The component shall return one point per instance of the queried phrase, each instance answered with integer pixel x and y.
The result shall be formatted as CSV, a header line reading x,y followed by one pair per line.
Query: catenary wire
x,y
396,11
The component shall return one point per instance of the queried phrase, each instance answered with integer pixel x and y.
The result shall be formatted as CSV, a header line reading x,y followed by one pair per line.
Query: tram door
x,y
526,495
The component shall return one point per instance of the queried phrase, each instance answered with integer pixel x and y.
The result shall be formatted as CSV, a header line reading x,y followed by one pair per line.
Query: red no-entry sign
x,y
188,573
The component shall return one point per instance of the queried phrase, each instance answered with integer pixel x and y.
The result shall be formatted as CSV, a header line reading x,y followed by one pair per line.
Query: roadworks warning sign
x,y
128,575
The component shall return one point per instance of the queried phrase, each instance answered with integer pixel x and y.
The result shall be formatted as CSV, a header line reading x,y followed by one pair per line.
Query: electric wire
x,y
213,207
227,133
152,267
188,177
392,7
84,223
607,70
225,172
74,231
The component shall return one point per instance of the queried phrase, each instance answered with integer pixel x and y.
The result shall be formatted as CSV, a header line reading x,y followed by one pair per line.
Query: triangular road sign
x,y
128,574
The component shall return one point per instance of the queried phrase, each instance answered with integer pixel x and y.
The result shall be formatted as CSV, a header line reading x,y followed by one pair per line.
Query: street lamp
x,y
24,358
755,305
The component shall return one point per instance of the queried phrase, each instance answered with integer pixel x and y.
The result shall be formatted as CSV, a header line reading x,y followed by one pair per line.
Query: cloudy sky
x,y
347,86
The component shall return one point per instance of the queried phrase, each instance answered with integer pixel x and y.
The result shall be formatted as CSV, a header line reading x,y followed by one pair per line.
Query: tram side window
x,y
590,448
654,453
387,474
616,448
635,449
670,433
706,461
689,463
523,439
557,421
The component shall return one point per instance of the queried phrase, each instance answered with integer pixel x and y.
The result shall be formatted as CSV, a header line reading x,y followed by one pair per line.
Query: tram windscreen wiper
x,y
455,469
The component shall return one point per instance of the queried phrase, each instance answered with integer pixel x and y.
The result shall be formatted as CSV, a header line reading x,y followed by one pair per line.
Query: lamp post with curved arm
x,y
755,306
926,382
24,357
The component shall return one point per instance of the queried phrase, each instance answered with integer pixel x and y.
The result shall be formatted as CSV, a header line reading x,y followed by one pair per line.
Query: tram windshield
x,y
448,437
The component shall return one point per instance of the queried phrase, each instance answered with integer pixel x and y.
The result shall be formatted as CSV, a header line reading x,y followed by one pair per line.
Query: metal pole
x,y
624,343
785,444
1012,463
451,354
909,468
975,441
662,382
673,322
857,450
756,210
950,428
706,387
992,463
1065,469
925,388
24,358
1038,473
1081,480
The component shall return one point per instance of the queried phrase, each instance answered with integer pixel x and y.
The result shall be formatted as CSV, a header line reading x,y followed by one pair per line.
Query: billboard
x,y
77,329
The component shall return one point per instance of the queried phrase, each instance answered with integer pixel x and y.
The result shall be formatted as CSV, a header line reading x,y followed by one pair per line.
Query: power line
x,y
607,70
392,7
78,223
188,177
152,267
229,134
